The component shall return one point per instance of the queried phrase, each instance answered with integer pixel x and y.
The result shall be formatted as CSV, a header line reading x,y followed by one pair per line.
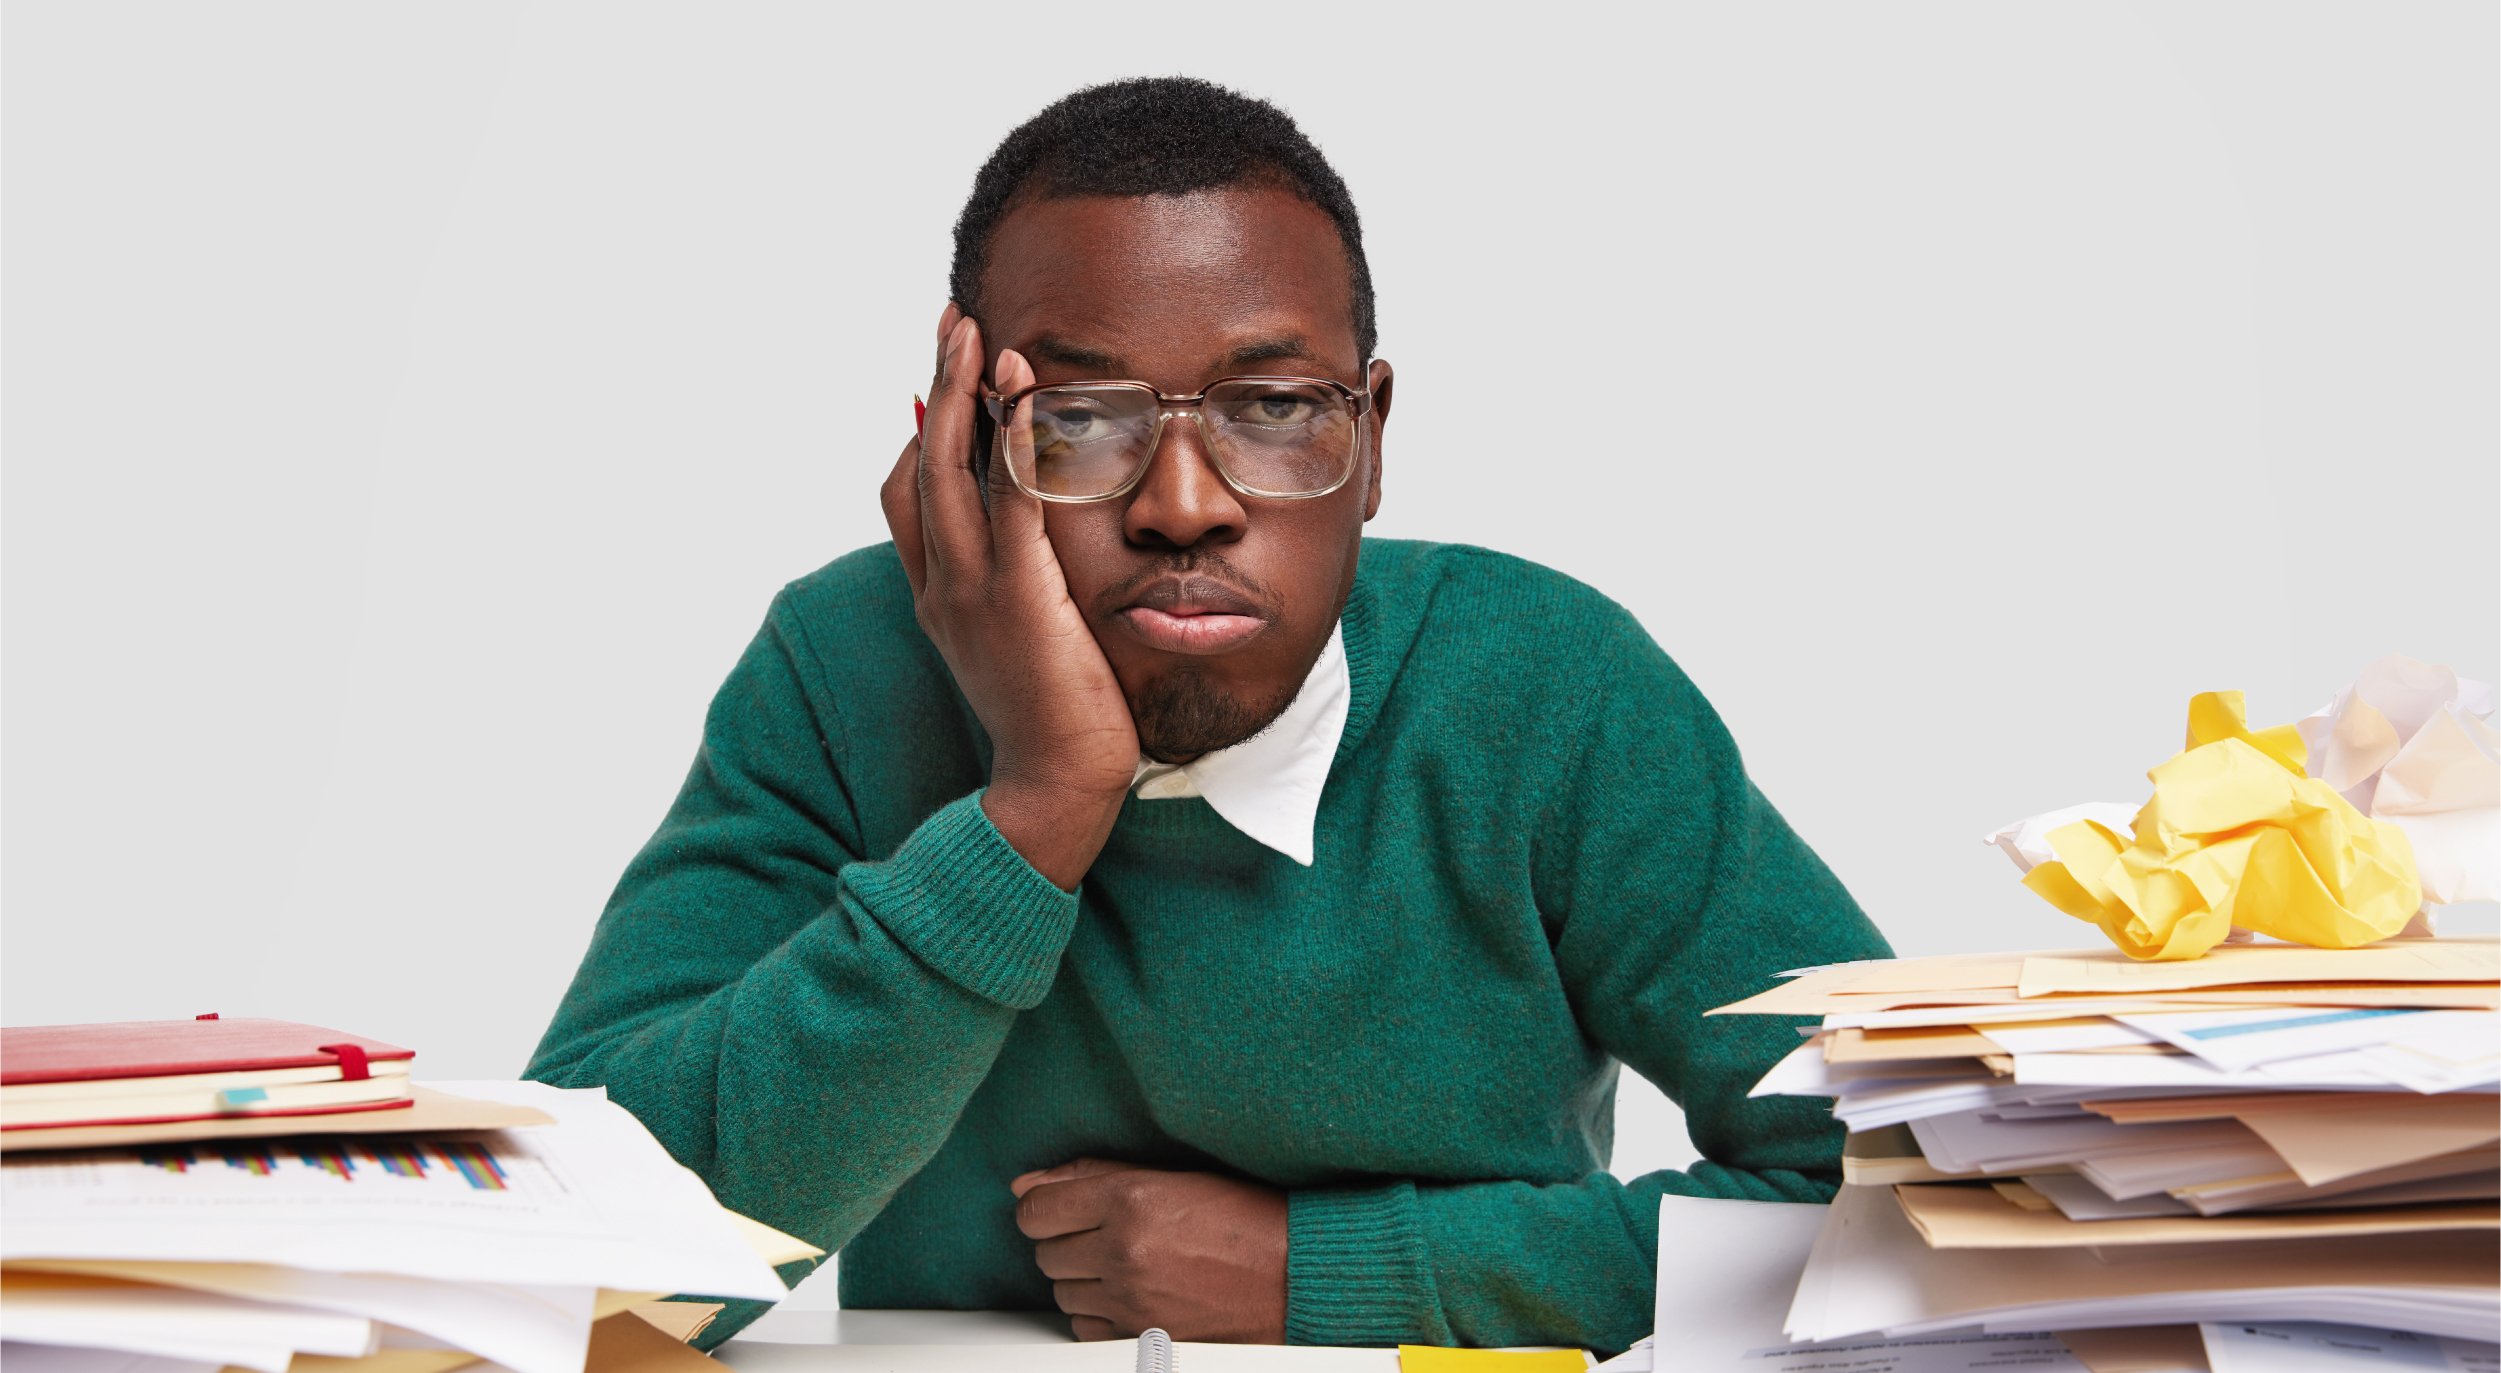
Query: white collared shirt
x,y
1268,786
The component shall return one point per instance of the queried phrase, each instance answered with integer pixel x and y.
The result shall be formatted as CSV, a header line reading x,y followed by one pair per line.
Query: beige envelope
x,y
1958,1217
2403,960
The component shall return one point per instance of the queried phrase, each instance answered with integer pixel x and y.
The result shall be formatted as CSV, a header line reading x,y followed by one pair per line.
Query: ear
x,y
1381,378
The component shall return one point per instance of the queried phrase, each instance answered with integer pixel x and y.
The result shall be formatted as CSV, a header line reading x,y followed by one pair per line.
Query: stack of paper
x,y
2072,1140
187,1248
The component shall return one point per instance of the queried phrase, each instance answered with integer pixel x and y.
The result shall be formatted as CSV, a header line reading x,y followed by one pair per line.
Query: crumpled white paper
x,y
2027,841
2413,744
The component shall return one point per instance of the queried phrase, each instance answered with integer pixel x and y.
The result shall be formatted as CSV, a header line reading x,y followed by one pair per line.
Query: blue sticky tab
x,y
235,1098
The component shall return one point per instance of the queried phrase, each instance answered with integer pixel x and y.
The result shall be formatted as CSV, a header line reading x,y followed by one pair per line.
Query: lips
x,y
1193,615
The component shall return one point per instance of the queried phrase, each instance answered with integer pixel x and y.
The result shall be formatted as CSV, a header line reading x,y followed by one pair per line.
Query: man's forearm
x,y
1496,1263
813,1080
1058,830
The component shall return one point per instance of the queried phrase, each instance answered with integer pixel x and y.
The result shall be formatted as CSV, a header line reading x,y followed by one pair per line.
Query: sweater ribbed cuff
x,y
1355,1271
964,901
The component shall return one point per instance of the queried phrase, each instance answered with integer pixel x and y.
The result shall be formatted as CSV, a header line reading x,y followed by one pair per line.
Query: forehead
x,y
1167,282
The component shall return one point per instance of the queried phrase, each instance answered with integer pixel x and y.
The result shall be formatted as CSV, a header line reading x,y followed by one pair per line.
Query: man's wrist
x,y
1057,829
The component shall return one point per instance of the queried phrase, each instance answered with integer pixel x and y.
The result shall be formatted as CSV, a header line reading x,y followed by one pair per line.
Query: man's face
x,y
1177,291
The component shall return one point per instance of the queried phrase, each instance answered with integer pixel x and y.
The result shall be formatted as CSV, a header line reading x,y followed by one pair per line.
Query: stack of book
x,y
184,1196
2072,1140
209,1068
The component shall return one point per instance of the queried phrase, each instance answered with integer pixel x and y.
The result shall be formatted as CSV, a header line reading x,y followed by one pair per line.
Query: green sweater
x,y
833,990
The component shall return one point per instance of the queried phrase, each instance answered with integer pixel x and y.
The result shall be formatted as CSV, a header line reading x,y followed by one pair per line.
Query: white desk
x,y
1010,1341
1727,1273
779,1327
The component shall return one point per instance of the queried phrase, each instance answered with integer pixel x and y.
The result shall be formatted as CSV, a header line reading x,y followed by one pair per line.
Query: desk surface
x,y
1726,1280
785,1327
931,1341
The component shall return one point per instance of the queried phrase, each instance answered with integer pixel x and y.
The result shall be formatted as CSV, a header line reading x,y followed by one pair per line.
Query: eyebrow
x,y
1053,348
1268,350
1066,353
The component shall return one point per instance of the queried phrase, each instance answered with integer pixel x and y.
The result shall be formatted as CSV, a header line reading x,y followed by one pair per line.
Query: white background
x,y
411,410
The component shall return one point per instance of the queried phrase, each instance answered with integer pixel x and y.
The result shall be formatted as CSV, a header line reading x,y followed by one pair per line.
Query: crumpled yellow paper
x,y
2237,833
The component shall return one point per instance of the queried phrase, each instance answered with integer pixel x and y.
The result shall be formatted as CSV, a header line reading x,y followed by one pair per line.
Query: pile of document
x,y
415,1240
2072,1140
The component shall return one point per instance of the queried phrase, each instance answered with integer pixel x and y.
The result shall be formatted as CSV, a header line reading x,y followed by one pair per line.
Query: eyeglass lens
x,y
1271,438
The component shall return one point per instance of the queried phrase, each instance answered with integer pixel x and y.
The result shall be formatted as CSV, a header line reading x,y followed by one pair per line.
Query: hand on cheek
x,y
1126,1248
989,593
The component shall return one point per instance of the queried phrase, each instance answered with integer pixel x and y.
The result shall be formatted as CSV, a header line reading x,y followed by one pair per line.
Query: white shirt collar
x,y
1268,786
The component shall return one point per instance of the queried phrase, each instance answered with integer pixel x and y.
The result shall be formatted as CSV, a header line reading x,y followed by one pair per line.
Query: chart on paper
x,y
324,1176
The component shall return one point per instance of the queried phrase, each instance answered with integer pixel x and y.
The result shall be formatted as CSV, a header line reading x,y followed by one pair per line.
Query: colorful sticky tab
x,y
236,1098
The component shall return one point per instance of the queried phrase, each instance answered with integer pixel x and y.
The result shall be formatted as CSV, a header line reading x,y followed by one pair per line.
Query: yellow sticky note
x,y
1425,1358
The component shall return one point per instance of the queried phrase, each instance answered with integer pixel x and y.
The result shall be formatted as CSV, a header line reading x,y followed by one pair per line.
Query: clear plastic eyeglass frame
x,y
1358,404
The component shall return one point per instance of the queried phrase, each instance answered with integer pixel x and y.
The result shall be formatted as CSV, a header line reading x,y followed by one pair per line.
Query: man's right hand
x,y
987,590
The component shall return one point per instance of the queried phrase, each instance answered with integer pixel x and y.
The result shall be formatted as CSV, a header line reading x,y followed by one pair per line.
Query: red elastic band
x,y
351,1061
210,1016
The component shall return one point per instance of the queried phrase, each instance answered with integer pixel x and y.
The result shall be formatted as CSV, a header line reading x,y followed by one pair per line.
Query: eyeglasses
x,y
1284,438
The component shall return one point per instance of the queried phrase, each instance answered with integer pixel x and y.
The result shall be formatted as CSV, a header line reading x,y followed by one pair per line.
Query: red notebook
x,y
152,1070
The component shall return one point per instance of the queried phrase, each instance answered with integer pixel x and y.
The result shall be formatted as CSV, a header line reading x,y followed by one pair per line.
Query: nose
x,y
1183,501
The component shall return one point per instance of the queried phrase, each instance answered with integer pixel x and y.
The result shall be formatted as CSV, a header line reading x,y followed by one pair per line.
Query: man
x,y
1134,891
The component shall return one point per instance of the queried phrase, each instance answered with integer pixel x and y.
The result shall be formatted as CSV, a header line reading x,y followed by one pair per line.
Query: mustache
x,y
1193,562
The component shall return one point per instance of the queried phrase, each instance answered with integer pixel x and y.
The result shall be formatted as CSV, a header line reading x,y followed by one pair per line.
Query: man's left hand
x,y
1126,1248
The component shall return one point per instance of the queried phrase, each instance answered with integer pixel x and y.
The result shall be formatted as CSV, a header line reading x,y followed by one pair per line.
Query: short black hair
x,y
1155,135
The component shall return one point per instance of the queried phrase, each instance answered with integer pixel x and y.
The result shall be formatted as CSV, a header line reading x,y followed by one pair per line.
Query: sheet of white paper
x,y
1963,1353
2187,1073
1987,1017
2098,1033
2129,1176
1874,1108
181,1325
592,1200
21,1357
1870,1274
2239,1040
2292,1195
1726,1269
2421,1068
2078,1199
1804,1072
2310,1347
1800,1072
524,1329
2027,841
1973,1141
1634,1360
2413,744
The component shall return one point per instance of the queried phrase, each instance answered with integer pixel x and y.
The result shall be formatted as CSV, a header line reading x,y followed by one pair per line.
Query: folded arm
x,y
1676,887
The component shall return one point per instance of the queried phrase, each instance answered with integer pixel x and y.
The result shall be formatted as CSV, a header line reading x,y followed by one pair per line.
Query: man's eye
x,y
1279,408
1073,422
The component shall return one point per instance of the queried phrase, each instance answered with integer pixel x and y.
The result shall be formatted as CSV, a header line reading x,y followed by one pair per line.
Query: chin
x,y
1181,714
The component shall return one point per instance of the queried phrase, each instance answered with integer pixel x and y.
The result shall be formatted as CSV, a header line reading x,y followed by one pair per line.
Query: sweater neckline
x,y
1367,664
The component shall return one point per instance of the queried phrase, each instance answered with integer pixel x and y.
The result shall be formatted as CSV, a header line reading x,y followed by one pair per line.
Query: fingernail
x,y
962,342
947,319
